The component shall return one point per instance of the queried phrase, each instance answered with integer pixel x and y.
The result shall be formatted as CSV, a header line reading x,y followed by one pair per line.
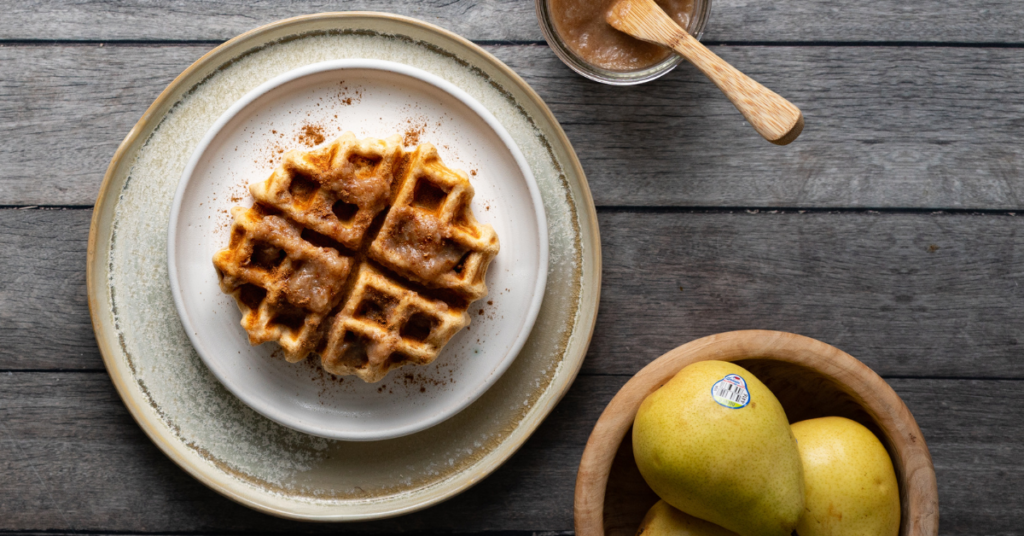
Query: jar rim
x,y
698,22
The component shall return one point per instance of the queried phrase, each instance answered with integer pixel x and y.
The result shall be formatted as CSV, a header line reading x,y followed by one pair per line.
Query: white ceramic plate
x,y
371,98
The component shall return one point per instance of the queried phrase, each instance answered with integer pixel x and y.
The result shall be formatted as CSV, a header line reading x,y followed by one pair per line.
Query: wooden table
x,y
889,229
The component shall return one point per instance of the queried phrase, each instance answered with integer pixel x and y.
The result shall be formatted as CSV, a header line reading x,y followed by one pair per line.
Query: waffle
x,y
361,252
430,235
284,284
384,325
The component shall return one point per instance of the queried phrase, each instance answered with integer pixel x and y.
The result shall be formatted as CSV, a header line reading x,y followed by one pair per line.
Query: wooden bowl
x,y
810,378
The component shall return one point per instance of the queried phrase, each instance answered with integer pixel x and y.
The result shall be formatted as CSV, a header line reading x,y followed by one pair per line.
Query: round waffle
x,y
361,252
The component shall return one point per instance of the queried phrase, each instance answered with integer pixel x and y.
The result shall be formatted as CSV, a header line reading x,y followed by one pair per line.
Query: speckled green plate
x,y
213,435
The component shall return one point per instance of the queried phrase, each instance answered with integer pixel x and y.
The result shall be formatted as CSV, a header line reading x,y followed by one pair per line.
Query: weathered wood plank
x,y
886,127
214,20
73,459
66,109
44,308
989,21
908,294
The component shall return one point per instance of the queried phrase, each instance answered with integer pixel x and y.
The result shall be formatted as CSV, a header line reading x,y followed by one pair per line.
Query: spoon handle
x,y
772,116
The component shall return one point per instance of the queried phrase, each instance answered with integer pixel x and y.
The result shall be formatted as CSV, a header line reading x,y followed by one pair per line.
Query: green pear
x,y
715,443
663,520
851,485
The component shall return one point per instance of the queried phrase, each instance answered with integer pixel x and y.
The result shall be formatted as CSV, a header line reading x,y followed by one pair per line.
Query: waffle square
x,y
384,325
335,189
284,284
430,234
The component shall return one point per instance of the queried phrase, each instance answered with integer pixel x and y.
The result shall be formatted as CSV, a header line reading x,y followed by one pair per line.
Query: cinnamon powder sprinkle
x,y
412,135
311,135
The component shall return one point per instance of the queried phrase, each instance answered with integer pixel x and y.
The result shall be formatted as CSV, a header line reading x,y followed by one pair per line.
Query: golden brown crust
x,y
300,263
284,285
335,189
430,234
384,325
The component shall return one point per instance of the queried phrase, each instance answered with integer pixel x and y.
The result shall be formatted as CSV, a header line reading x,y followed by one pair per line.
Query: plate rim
x,y
106,202
282,416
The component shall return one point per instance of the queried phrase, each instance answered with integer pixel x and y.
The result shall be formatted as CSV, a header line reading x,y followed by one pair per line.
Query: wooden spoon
x,y
772,116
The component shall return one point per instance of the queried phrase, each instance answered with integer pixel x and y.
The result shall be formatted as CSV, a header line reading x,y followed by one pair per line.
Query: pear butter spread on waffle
x,y
359,251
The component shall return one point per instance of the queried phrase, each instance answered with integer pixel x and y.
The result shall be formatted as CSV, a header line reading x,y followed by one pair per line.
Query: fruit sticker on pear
x,y
731,392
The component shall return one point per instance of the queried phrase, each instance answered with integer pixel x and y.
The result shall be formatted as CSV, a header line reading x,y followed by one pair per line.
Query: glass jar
x,y
699,18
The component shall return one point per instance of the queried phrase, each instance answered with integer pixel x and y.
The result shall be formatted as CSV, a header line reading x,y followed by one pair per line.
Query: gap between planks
x,y
250,533
524,43
753,210
582,373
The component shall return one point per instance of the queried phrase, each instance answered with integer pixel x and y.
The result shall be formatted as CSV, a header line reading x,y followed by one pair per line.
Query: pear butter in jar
x,y
582,28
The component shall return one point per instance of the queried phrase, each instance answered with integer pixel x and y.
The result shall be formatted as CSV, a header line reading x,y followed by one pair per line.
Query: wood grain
x,y
214,20
70,108
974,21
74,460
889,127
44,310
908,294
